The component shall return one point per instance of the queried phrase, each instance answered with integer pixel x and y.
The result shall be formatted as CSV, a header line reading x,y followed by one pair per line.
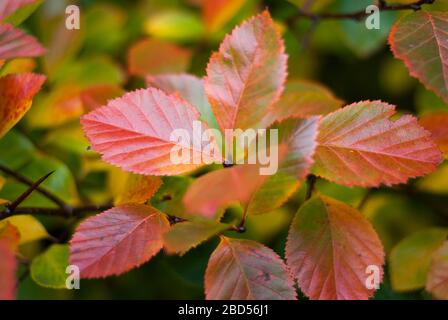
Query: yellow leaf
x,y
30,228
132,188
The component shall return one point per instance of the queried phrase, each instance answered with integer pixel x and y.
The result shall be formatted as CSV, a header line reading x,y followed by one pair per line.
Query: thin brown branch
x,y
9,208
56,212
17,176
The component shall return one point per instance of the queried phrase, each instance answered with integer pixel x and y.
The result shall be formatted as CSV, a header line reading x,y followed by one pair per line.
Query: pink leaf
x,y
133,132
15,43
247,270
330,247
420,40
8,7
437,282
247,75
8,268
359,145
117,240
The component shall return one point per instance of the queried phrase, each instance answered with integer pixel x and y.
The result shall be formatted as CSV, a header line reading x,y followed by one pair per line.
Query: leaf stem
x,y
311,185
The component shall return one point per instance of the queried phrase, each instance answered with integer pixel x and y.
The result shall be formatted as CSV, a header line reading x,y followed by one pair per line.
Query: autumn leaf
x,y
220,188
186,235
132,188
8,7
330,245
16,94
247,270
9,235
247,75
117,240
8,268
152,57
29,228
437,283
216,13
190,87
419,39
437,124
15,43
98,96
302,99
410,259
9,242
360,146
134,133
271,194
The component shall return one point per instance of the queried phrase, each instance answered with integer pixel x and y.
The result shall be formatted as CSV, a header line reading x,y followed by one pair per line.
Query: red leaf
x,y
359,145
133,132
16,94
330,245
98,96
8,268
420,40
247,270
152,56
437,124
247,75
15,43
218,189
437,283
8,7
117,240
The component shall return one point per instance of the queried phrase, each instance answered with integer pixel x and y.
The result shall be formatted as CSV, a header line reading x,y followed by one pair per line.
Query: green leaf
x,y
409,261
184,236
175,25
22,13
272,193
48,269
17,150
168,198
61,182
361,40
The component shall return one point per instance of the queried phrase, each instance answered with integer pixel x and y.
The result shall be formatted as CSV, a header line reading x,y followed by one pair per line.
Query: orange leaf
x,y
10,236
134,133
98,96
8,269
330,246
220,188
117,240
16,94
437,124
359,145
437,283
152,56
216,13
247,75
15,43
420,40
247,270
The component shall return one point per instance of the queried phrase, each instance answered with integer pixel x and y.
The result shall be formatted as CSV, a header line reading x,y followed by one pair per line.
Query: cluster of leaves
x,y
330,243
